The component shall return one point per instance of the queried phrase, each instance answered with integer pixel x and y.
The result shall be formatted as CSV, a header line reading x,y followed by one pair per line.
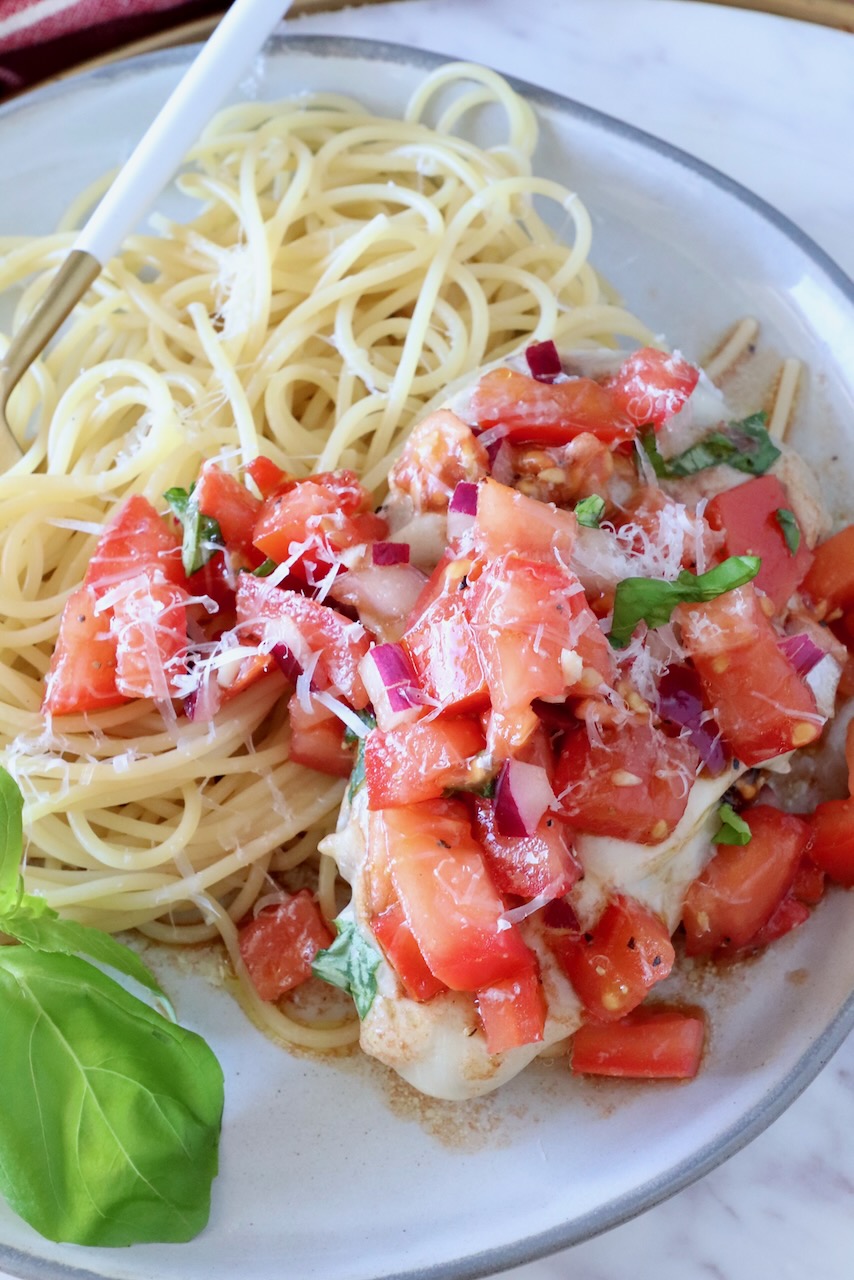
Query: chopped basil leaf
x,y
11,840
151,1123
733,829
790,528
350,963
744,445
357,777
588,511
264,570
202,534
652,601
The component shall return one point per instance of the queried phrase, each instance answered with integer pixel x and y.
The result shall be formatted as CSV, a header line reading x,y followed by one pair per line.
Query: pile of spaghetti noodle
x,y
340,271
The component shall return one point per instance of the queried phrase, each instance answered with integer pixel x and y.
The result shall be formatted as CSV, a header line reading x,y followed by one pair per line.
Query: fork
x,y
154,160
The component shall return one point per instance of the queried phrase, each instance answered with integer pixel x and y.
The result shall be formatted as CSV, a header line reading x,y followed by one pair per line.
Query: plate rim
x,y
775,1100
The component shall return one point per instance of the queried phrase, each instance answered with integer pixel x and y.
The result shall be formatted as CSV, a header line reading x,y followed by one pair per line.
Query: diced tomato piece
x,y
761,704
830,581
508,521
788,914
513,1012
223,498
279,945
652,385
613,966
808,884
392,931
630,782
82,675
447,895
136,540
528,866
548,413
149,622
537,635
215,580
308,628
268,477
446,655
317,740
440,452
748,517
654,1042
419,761
832,847
325,514
742,886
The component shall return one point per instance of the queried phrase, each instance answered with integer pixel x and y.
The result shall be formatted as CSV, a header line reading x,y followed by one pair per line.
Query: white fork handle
x,y
224,57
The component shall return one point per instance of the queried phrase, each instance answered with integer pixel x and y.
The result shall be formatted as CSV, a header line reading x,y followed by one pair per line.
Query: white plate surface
x,y
332,1170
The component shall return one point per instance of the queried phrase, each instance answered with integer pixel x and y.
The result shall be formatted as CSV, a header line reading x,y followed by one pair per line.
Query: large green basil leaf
x,y
111,1114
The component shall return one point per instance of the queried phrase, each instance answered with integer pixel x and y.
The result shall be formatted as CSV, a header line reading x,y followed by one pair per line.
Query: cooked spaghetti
x,y
339,271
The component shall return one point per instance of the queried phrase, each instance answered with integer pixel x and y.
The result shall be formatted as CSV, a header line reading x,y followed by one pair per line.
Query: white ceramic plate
x,y
332,1170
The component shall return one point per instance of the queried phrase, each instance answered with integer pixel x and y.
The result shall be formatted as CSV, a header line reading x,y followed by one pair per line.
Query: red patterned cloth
x,y
39,38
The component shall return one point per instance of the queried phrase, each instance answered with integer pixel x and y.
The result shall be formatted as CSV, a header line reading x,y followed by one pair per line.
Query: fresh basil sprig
x,y
588,511
790,529
350,963
111,1112
744,445
202,534
652,601
733,829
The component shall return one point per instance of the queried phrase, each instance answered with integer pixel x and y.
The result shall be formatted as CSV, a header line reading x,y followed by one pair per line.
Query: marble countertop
x,y
770,102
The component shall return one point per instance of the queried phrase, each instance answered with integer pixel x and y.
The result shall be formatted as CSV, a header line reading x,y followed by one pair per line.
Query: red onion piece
x,y
802,651
501,462
544,361
385,553
560,914
287,661
523,793
464,499
392,685
680,701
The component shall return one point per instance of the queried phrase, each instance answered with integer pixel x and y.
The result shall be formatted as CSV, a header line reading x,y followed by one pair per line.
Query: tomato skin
x,y
279,945
526,866
651,386
448,898
761,704
548,413
265,612
513,1012
832,847
331,512
653,1042
446,656
509,521
614,965
215,580
224,499
392,931
82,675
317,740
748,517
742,886
419,761
632,783
830,581
150,625
136,540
